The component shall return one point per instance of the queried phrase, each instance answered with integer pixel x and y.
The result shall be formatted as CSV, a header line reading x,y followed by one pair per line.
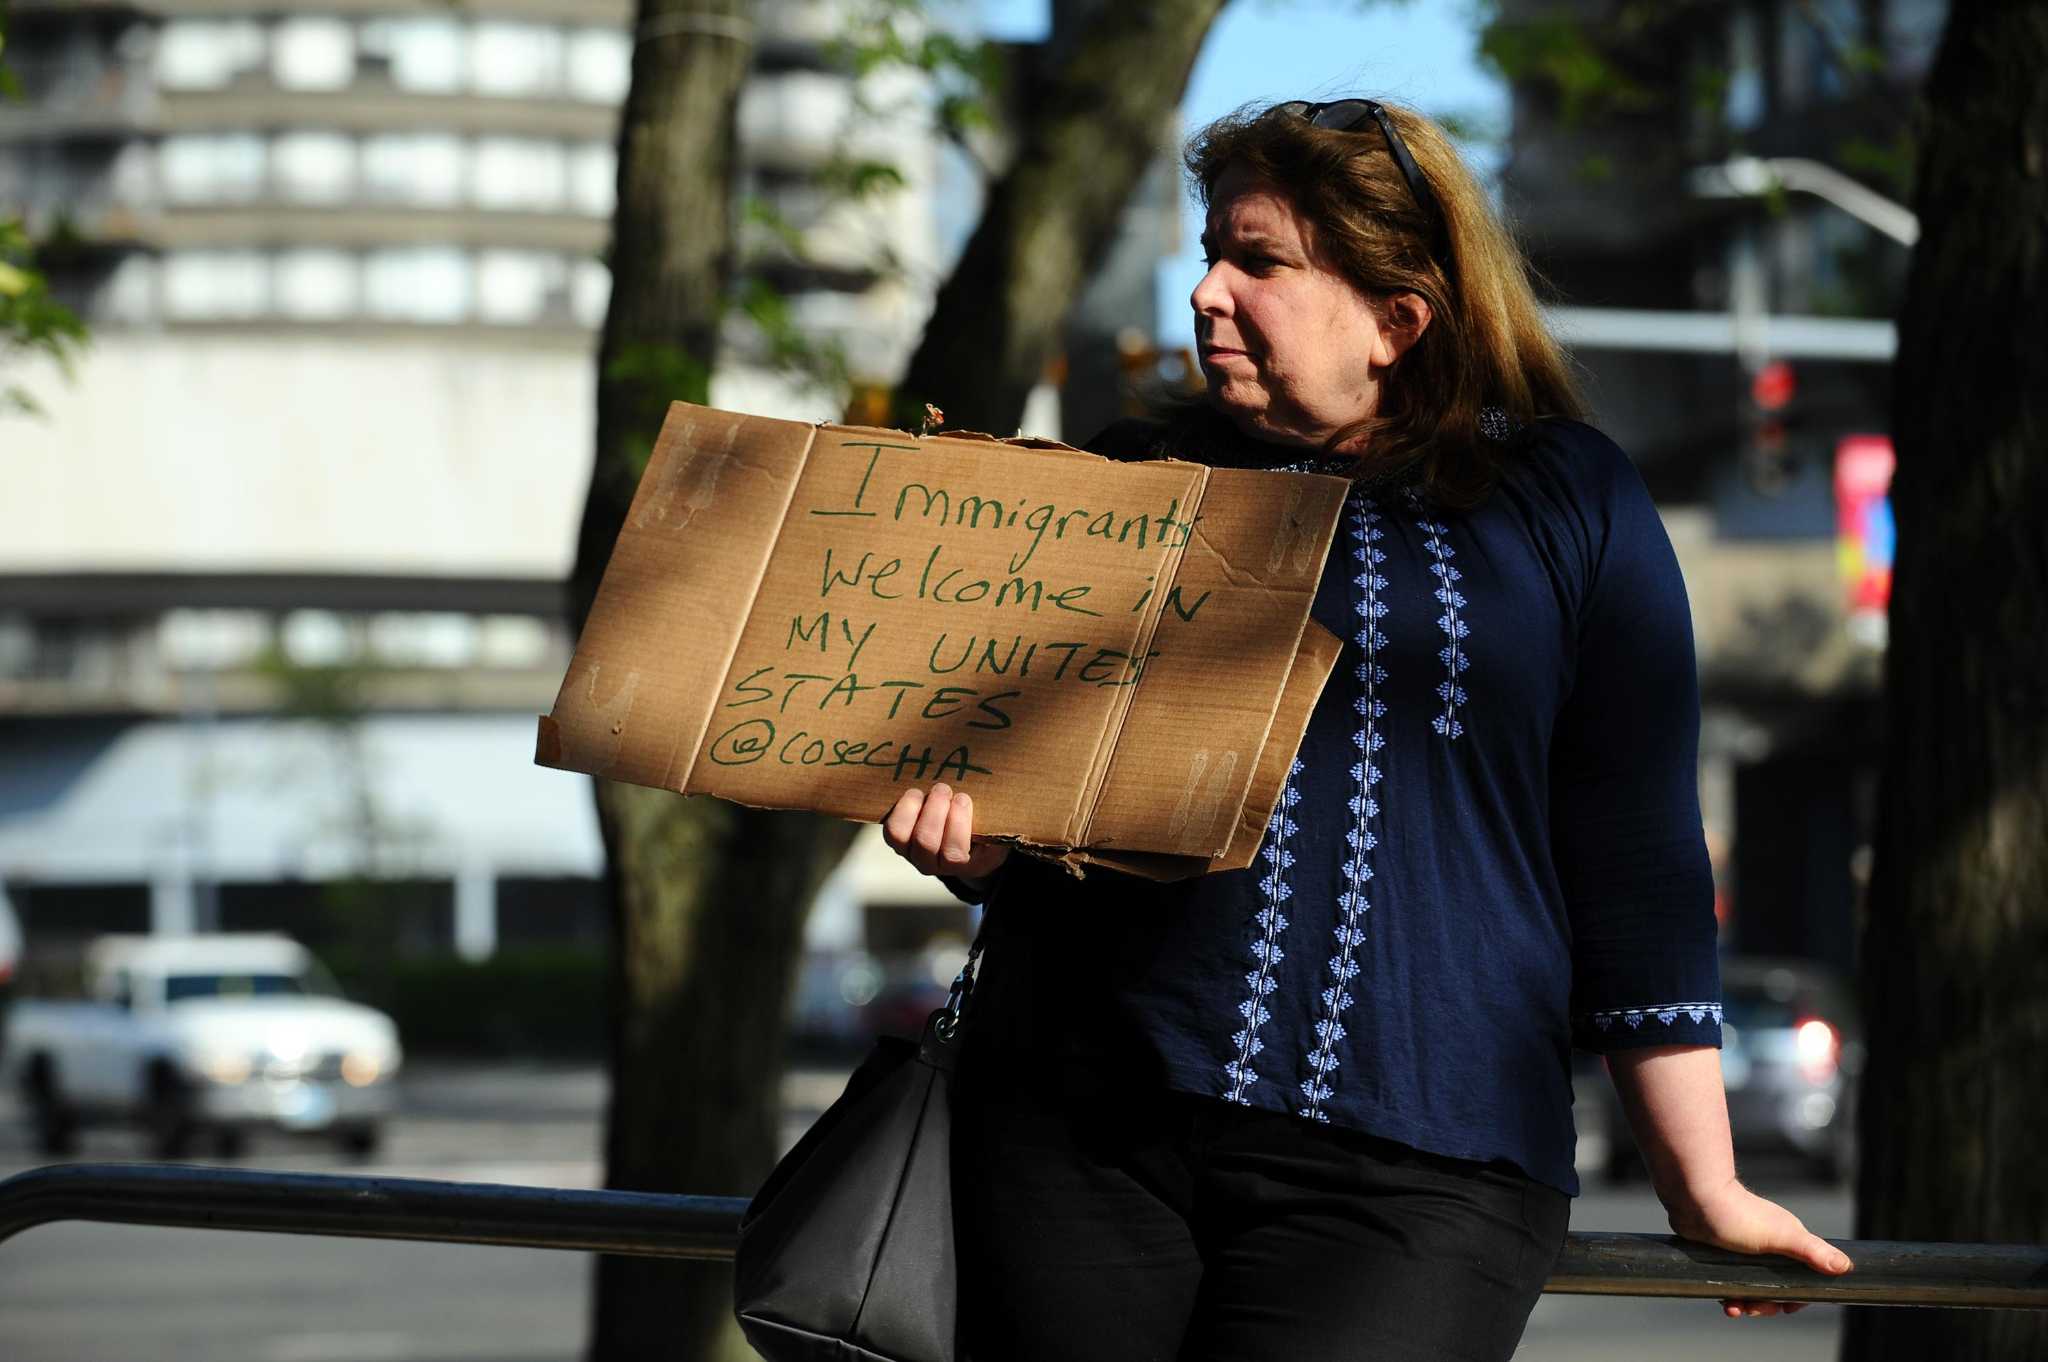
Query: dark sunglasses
x,y
1349,115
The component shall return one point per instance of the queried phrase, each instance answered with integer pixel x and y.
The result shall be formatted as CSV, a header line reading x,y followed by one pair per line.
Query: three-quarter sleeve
x,y
1626,839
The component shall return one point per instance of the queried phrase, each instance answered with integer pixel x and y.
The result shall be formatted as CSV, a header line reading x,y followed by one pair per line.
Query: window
x,y
1809,70
1912,35
131,177
415,917
515,59
308,53
519,173
129,293
317,638
423,639
1744,101
532,910
590,292
513,641
423,54
216,285
179,988
594,178
794,119
206,54
315,285
213,167
420,284
519,286
195,640
60,915
418,168
314,167
600,64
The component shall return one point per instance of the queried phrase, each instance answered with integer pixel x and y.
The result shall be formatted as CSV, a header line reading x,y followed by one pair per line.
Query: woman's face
x,y
1292,351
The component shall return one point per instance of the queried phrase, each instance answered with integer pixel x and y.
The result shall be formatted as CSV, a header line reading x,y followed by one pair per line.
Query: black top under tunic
x,y
1489,849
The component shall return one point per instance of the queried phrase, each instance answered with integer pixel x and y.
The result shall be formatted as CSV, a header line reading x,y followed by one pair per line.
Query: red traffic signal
x,y
1772,387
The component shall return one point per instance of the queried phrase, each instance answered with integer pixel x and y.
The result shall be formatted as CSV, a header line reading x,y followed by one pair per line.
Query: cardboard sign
x,y
1114,659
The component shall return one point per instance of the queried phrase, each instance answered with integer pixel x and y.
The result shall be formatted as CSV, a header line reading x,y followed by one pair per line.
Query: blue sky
x,y
1419,52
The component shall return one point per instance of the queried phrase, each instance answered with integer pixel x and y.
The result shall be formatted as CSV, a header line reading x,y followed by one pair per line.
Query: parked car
x,y
844,999
833,989
1791,1054
10,962
212,1034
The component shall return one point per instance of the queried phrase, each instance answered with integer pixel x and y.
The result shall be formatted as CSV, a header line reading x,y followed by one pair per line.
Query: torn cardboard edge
x,y
719,529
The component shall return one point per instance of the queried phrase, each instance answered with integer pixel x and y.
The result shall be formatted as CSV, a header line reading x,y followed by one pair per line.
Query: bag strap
x,y
948,1022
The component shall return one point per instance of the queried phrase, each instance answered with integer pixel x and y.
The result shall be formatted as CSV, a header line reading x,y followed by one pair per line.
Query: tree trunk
x,y
1099,120
707,898
1953,1097
710,904
672,248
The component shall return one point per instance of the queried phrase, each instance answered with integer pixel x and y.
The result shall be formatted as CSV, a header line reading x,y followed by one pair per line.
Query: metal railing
x,y
650,1225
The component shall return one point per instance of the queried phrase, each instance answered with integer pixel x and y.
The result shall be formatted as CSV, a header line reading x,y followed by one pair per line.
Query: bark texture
x,y
1954,1100
708,899
710,903
672,247
1099,119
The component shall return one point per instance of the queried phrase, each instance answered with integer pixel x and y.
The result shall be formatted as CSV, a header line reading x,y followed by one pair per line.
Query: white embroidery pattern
x,y
1668,1013
1496,424
1266,952
1370,605
1452,621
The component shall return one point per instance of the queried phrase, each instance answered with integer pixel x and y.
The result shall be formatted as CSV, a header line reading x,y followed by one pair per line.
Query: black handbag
x,y
846,1252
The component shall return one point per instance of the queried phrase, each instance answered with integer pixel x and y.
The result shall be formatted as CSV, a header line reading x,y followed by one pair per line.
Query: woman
x,y
1321,1108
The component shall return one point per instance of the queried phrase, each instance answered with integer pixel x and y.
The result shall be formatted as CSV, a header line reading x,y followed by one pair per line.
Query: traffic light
x,y
1768,460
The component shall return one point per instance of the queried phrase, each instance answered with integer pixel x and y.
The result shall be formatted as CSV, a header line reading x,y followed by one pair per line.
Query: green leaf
x,y
654,375
821,363
1556,51
31,320
859,179
760,212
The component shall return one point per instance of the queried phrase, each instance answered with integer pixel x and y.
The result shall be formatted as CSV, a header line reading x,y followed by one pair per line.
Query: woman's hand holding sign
x,y
935,833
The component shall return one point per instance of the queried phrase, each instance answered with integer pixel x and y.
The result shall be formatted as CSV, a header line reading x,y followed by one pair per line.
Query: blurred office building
x,y
280,567
1729,260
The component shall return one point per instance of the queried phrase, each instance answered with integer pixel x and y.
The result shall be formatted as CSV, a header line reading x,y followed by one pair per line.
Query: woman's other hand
x,y
1737,1219
1679,1112
935,833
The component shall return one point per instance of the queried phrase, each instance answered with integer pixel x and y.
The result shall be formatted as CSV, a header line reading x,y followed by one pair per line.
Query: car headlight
x,y
227,1067
361,1068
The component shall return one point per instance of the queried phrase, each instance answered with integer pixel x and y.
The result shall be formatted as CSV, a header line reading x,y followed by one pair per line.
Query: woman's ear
x,y
1403,318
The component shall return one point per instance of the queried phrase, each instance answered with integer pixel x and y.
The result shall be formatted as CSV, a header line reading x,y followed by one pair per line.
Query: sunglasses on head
x,y
1350,115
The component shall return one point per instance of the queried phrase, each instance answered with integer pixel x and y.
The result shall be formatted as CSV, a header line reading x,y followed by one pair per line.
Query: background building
x,y
1736,343
280,569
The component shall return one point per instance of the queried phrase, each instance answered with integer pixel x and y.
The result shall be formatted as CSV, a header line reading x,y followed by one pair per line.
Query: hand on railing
x,y
1737,1219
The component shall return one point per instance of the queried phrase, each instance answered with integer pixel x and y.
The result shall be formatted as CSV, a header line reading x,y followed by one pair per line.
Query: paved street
x,y
91,1293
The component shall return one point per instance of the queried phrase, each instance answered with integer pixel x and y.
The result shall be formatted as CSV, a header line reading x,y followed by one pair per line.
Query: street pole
x,y
1750,177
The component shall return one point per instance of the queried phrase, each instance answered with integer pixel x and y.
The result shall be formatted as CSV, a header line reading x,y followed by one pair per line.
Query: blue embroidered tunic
x,y
1489,849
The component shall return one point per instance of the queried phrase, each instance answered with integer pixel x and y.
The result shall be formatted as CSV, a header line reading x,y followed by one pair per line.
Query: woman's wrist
x,y
1689,1202
1690,1176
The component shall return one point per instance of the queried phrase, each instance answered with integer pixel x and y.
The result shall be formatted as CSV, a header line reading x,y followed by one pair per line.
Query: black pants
x,y
1171,1227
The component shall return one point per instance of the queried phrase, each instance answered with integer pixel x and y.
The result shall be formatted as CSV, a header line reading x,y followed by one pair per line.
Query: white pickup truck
x,y
204,1034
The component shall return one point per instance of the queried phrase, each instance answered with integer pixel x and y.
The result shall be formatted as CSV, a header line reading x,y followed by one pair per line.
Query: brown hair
x,y
1486,345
